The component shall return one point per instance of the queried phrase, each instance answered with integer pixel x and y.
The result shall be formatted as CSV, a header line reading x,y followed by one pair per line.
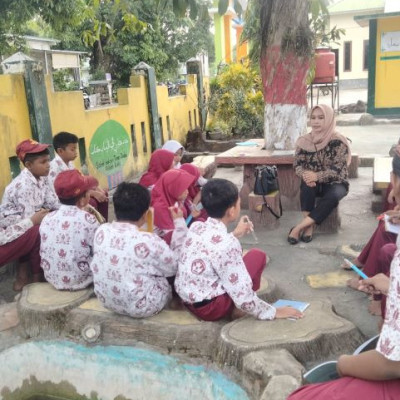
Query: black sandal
x,y
306,238
291,239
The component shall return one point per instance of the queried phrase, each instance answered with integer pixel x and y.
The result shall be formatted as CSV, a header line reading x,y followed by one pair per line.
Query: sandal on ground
x,y
291,239
306,238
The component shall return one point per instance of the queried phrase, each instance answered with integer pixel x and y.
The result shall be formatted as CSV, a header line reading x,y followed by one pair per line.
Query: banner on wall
x,y
390,41
109,149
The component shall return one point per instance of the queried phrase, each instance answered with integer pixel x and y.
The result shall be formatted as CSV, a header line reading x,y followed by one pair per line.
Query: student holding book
x,y
374,374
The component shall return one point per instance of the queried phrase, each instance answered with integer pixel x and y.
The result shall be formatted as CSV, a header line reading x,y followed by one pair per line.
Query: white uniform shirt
x,y
389,340
66,247
57,165
12,228
130,268
211,264
25,195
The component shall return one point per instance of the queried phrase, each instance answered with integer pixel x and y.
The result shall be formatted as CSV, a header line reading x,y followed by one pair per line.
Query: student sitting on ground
x,y
177,149
66,150
20,240
25,202
212,276
374,374
171,190
160,162
130,267
67,234
194,192
30,191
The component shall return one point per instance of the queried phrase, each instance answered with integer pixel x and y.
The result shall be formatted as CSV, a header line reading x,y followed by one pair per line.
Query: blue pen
x,y
355,269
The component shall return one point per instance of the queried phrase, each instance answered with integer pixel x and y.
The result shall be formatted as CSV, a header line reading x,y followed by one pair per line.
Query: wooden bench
x,y
206,163
250,157
259,214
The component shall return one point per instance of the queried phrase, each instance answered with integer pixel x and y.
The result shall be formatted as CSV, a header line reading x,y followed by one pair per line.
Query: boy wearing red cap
x,y
30,190
67,234
25,202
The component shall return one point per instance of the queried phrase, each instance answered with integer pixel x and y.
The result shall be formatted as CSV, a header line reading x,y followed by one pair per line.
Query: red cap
x,y
29,146
71,183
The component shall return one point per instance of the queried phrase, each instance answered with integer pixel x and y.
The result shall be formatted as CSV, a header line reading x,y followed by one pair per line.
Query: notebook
x,y
390,227
299,305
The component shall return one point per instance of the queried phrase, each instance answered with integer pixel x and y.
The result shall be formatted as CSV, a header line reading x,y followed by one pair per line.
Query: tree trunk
x,y
285,60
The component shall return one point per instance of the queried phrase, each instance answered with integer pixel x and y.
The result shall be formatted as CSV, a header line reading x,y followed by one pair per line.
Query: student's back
x,y
67,234
130,267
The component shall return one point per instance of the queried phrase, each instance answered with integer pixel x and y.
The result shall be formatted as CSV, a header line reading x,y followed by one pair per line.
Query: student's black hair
x,y
63,139
33,156
217,196
73,200
131,201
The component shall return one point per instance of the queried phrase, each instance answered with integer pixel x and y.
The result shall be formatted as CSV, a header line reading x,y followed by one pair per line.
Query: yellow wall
x,y
356,35
67,113
387,72
14,121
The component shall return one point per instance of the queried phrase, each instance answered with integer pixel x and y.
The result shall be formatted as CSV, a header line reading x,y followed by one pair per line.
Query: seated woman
x,y
321,161
160,161
171,190
177,149
374,374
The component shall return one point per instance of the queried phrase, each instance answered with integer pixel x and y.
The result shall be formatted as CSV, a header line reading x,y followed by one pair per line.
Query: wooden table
x,y
250,157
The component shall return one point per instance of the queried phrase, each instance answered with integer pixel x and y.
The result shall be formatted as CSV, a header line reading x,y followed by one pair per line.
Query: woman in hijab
x,y
160,161
321,161
170,190
373,374
177,149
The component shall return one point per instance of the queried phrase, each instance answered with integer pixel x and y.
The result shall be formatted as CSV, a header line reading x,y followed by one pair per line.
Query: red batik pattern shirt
x,y
66,247
130,268
25,195
389,340
57,165
211,264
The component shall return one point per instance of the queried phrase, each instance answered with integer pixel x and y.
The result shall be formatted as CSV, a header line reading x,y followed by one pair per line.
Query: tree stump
x,y
43,310
259,213
353,167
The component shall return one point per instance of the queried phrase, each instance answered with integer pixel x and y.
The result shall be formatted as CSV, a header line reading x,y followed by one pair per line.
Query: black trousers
x,y
329,195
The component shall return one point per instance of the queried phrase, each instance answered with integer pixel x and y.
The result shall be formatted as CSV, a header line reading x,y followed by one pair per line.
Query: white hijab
x,y
173,146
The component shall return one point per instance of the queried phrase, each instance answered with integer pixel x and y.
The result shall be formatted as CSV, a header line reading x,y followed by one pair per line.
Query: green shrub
x,y
236,104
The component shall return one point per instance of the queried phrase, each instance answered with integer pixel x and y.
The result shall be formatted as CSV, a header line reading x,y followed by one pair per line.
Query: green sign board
x,y
109,147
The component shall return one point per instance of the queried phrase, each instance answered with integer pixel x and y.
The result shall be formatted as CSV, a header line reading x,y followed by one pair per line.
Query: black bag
x,y
266,180
266,183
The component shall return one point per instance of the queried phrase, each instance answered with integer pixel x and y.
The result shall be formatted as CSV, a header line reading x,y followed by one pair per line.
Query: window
x,y
169,128
365,55
82,151
161,130
144,141
15,166
133,139
347,56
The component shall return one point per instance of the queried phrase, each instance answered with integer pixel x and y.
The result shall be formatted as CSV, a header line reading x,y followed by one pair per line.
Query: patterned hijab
x,y
313,142
160,161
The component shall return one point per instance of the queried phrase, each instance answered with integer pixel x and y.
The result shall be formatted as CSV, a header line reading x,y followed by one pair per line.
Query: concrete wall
x,y
14,122
355,34
67,113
